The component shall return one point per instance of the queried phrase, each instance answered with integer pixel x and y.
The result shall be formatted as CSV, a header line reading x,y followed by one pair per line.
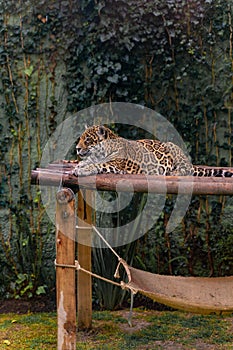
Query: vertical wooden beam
x,y
84,287
65,276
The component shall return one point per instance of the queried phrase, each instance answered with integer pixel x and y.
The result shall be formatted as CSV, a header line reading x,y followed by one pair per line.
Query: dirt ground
x,y
47,303
21,306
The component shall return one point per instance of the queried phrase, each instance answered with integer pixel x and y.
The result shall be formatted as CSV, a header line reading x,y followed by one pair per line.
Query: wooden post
x,y
84,287
65,244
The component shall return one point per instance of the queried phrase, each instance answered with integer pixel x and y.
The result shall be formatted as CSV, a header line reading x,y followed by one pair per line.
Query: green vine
x,y
62,56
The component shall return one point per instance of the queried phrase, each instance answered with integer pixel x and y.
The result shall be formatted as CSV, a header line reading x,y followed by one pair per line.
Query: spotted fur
x,y
102,152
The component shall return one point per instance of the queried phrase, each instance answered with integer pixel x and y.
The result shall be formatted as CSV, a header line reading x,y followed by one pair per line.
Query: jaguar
x,y
102,151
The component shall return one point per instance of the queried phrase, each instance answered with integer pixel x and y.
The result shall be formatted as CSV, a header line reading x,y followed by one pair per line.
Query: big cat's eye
x,y
88,140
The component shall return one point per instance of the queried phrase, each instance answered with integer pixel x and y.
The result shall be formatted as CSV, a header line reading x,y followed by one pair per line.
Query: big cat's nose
x,y
82,152
79,151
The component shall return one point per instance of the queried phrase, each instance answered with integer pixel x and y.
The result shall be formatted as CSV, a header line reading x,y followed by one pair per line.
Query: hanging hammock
x,y
204,295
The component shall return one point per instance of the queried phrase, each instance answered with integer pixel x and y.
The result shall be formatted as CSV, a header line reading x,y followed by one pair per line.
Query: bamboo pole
x,y
84,286
65,246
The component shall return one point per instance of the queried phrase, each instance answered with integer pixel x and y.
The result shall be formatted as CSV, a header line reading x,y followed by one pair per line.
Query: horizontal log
x,y
138,183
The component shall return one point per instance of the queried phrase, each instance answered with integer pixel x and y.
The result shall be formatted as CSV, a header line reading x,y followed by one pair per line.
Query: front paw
x,y
84,170
75,171
79,171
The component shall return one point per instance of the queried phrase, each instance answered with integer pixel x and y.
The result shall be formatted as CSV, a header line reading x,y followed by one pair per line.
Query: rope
x,y
131,309
121,261
76,266
79,268
106,242
122,284
103,239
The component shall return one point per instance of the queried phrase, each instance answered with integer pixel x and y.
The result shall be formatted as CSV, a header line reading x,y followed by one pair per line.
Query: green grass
x,y
151,330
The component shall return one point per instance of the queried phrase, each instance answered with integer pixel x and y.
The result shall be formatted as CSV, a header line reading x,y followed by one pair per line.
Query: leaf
x,y
28,71
21,278
6,342
40,290
113,79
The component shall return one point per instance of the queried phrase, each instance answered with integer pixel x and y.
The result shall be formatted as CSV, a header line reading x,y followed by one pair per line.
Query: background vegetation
x,y
59,57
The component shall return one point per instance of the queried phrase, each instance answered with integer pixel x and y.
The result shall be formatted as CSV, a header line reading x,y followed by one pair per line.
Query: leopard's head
x,y
91,137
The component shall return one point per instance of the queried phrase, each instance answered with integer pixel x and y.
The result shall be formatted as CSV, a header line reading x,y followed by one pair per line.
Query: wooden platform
x,y
202,295
59,173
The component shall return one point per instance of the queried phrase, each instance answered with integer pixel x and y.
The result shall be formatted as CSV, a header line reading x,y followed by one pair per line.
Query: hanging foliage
x,y
61,56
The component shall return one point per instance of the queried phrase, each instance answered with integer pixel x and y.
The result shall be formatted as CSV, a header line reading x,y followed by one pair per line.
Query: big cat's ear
x,y
102,132
86,126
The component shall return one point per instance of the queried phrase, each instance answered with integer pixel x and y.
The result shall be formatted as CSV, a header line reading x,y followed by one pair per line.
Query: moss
x,y
151,330
35,331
